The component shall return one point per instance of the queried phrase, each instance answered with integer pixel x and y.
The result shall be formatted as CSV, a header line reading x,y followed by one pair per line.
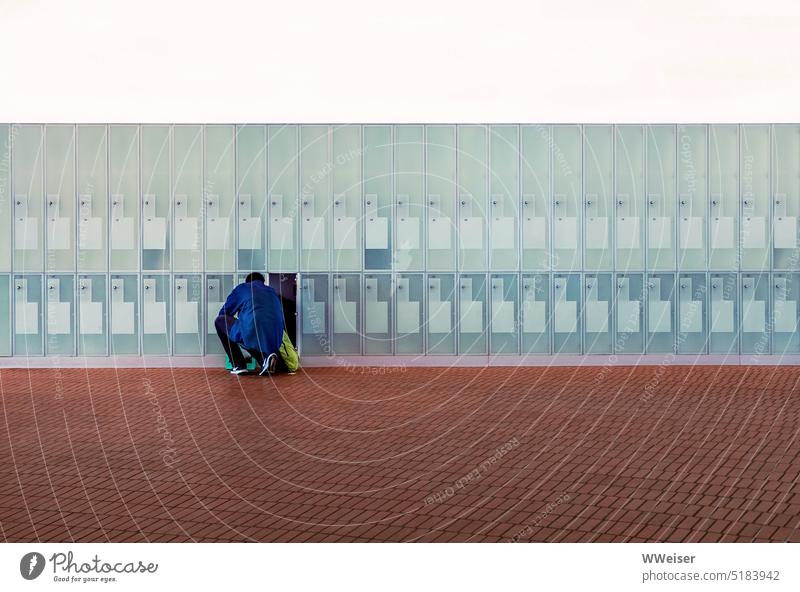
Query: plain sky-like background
x,y
408,61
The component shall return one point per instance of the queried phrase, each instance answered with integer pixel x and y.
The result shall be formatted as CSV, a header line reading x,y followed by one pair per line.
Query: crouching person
x,y
251,318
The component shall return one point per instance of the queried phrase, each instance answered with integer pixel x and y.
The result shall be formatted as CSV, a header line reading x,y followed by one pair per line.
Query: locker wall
x,y
444,239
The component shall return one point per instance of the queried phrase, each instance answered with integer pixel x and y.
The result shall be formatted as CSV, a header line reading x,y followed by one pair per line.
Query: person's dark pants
x,y
223,325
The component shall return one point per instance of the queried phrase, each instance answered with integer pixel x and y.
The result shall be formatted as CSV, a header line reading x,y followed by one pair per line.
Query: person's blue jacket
x,y
260,317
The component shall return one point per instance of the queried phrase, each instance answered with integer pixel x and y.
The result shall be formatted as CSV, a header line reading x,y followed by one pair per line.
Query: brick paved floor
x,y
533,454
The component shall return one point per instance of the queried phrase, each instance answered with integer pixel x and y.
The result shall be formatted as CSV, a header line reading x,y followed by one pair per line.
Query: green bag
x,y
289,354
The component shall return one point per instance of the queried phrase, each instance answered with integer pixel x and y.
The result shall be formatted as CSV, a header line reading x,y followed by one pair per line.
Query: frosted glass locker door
x,y
377,314
724,313
188,314
440,320
472,196
251,189
628,314
282,196
567,314
60,315
378,205
755,196
156,314
785,291
441,186
409,299
692,197
124,314
504,312
28,315
315,197
5,315
723,182
347,210
346,305
217,289
6,214
504,197
156,196
314,315
59,186
92,313
472,314
535,314
692,312
660,313
629,199
785,197
123,187
755,299
598,180
28,195
535,212
597,314
91,155
660,194
567,197
187,197
410,208
222,223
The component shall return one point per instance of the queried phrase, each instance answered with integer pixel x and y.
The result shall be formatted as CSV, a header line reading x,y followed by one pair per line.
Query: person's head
x,y
254,277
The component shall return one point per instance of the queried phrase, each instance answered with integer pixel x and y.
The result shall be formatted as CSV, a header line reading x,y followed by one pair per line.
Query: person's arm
x,y
232,304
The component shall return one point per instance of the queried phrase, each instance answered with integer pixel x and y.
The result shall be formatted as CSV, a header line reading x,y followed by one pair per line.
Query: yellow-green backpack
x,y
289,354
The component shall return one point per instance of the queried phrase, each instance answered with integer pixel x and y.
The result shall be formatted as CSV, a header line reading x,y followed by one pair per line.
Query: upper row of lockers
x,y
399,197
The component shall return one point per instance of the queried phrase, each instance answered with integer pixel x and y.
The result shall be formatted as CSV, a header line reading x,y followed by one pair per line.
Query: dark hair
x,y
254,277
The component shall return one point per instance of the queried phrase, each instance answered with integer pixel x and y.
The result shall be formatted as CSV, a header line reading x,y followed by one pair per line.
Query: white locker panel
x,y
186,236
659,232
154,233
502,317
596,316
26,234
785,314
627,316
534,232
377,233
314,233
122,233
59,235
534,316
628,233
249,234
597,233
408,317
281,234
660,313
90,234
722,316
753,232
439,317
722,235
503,235
344,233
565,233
754,318
408,233
439,233
218,234
785,231
691,232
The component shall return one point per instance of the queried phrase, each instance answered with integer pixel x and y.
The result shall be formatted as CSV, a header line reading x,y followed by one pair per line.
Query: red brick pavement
x,y
426,454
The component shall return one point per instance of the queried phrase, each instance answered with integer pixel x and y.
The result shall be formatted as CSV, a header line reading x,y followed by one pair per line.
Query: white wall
x,y
416,60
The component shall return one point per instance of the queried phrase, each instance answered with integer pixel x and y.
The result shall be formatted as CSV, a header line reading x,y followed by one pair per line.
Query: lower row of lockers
x,y
412,313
